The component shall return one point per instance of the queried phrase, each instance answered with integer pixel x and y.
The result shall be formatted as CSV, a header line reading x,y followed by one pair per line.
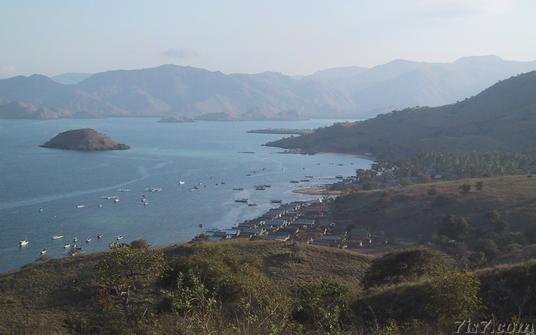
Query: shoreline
x,y
317,190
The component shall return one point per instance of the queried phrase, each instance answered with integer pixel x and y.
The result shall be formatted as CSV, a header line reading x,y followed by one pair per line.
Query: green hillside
x,y
501,118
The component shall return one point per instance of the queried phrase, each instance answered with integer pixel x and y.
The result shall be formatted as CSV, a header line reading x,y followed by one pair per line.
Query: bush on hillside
x,y
408,265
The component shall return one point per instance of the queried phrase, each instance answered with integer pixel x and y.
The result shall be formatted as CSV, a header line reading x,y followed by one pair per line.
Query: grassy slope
x,y
505,290
46,298
410,211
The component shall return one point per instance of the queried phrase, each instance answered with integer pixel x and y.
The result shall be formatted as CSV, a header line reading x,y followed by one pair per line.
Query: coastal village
x,y
305,221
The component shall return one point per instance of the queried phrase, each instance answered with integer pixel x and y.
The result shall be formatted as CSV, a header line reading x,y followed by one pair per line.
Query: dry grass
x,y
53,297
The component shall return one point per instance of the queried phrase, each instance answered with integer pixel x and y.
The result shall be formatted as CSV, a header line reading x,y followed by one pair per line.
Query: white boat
x,y
181,182
100,206
66,246
41,210
116,200
99,236
153,189
88,239
43,252
123,190
75,240
119,237
80,206
57,237
24,243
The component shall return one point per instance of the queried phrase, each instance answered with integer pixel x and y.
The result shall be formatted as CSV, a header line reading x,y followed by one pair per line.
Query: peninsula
x,y
83,140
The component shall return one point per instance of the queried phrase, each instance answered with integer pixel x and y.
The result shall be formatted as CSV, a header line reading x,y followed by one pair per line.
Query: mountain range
x,y
500,118
171,90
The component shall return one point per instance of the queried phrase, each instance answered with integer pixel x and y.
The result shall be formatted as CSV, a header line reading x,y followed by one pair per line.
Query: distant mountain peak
x,y
483,58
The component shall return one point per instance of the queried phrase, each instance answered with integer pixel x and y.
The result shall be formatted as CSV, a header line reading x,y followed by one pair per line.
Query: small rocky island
x,y
175,119
83,140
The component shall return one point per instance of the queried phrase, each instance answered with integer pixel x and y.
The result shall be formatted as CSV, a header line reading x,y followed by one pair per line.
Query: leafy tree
x,y
123,268
455,227
489,248
495,221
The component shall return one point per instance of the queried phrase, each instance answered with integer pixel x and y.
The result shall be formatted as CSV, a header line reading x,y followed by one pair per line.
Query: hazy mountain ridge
x,y
70,78
502,117
171,90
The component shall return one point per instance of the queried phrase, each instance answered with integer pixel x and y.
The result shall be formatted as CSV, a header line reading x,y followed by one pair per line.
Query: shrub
x,y
465,188
139,244
453,296
403,266
322,306
455,227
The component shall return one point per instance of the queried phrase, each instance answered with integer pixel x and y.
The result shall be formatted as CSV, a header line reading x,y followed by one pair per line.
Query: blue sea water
x,y
32,177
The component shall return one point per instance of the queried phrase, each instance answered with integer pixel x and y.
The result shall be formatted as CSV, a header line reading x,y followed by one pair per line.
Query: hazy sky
x,y
290,36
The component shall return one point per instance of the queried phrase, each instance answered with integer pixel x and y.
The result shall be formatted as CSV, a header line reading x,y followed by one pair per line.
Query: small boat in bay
x,y
80,206
57,237
276,201
119,237
43,252
24,243
245,201
99,236
153,189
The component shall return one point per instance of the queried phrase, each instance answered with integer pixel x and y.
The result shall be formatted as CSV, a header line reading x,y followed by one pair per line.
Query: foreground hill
x,y
246,287
171,90
60,296
501,118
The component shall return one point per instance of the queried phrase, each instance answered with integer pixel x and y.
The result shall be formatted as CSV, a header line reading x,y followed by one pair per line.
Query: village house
x,y
305,223
359,237
252,232
276,223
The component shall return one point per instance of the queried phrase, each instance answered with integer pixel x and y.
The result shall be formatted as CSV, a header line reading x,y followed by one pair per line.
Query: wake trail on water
x,y
142,171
